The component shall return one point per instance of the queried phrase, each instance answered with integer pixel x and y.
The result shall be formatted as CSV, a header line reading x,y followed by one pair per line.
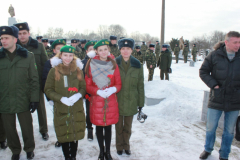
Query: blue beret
x,y
126,42
22,26
10,30
113,38
151,45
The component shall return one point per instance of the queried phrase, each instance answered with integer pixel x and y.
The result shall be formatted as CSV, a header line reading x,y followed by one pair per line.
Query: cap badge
x,y
69,49
107,42
59,40
126,42
102,42
4,30
74,41
73,50
20,26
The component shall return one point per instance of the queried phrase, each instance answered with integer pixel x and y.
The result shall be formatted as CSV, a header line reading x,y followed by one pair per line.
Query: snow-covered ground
x,y
172,131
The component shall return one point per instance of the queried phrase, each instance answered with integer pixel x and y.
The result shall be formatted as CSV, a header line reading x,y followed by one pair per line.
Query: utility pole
x,y
162,24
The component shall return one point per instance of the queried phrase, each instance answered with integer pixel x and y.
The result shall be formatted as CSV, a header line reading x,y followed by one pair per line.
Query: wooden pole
x,y
162,23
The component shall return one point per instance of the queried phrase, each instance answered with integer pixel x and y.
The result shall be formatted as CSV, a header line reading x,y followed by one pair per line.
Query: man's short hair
x,y
232,34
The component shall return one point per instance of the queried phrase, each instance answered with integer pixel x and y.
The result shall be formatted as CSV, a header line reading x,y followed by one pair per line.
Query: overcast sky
x,y
187,18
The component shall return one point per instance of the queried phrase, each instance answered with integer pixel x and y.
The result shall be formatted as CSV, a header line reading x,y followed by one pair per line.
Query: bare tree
x,y
50,33
58,33
136,36
103,32
117,30
217,36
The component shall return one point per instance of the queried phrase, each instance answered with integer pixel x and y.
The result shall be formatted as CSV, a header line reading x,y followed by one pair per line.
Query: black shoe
x,y
4,145
222,158
15,157
119,152
45,136
30,155
108,155
73,158
128,152
57,144
90,134
101,155
204,155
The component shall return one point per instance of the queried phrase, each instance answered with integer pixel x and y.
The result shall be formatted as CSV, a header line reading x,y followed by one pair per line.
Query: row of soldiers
x,y
185,52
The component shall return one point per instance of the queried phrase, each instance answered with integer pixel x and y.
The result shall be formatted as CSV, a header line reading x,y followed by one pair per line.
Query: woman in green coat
x,y
66,86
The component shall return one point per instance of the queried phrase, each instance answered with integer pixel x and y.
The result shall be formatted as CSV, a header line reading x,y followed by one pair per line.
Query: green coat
x,y
194,50
150,59
185,51
69,122
157,51
131,94
40,55
176,50
165,60
18,81
114,50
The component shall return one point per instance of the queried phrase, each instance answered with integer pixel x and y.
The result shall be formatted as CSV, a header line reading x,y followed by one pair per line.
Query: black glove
x,y
33,106
139,109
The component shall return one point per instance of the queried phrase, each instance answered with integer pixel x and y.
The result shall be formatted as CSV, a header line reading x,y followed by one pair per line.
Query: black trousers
x,y
70,149
88,122
107,138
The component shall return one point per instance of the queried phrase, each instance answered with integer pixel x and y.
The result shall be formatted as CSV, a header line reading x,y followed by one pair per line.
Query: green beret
x,y
68,49
90,43
58,41
101,43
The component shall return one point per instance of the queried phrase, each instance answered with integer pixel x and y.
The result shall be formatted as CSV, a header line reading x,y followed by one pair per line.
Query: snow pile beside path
x,y
180,103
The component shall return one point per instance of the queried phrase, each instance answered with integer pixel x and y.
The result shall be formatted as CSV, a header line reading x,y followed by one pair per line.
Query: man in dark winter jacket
x,y
220,72
90,54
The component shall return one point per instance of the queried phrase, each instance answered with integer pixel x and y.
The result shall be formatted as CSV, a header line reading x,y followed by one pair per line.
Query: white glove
x,y
51,102
66,101
102,93
109,91
55,61
91,54
74,98
79,64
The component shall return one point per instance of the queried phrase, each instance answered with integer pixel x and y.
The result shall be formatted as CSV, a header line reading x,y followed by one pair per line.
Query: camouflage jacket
x,y
194,50
176,50
83,53
150,59
144,48
185,51
78,52
138,55
114,50
157,49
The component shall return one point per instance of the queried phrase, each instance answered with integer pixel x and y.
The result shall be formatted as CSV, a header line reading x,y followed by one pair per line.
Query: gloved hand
x,y
74,98
33,106
102,93
51,102
55,61
66,101
109,91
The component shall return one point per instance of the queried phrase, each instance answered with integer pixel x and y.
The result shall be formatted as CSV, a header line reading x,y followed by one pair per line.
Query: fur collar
x,y
20,51
31,42
133,61
56,61
219,45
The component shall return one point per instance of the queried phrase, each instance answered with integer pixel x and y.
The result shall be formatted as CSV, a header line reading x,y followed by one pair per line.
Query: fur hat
x,y
22,26
126,42
10,30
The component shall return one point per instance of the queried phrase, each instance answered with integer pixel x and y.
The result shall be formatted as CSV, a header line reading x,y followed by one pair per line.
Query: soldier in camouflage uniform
x,y
45,44
138,54
185,53
144,48
78,50
176,52
83,53
151,61
78,43
194,52
157,50
113,46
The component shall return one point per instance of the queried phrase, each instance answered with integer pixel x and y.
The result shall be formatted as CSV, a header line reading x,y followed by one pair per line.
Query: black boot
x,y
73,158
57,144
108,155
30,155
204,155
15,157
45,136
222,158
128,152
4,145
119,152
101,155
90,134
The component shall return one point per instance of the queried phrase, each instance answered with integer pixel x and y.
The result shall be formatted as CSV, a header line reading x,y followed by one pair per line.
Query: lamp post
x,y
162,23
